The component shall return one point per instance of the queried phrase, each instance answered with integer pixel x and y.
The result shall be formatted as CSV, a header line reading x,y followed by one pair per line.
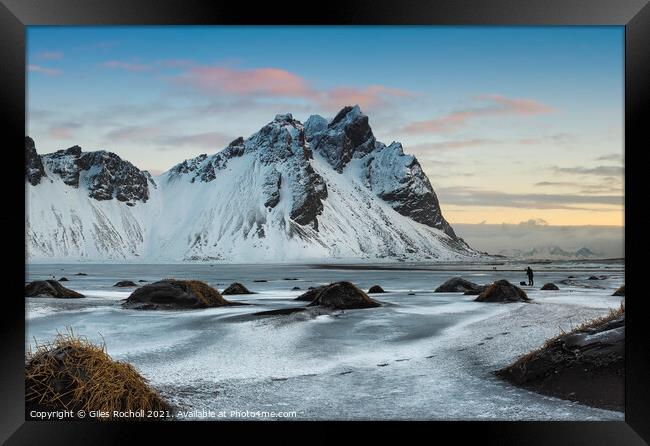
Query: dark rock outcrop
x,y
620,291
50,288
522,283
549,287
477,291
173,294
350,136
597,277
502,291
376,289
586,366
34,169
236,288
343,296
125,283
310,294
107,176
63,279
457,285
296,288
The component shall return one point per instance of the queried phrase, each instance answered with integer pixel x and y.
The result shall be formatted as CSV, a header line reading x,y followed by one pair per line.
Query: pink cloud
x,y
134,67
51,55
61,133
496,105
43,70
258,81
276,82
64,130
366,98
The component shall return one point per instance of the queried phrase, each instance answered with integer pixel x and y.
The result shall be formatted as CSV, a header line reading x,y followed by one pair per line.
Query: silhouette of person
x,y
529,273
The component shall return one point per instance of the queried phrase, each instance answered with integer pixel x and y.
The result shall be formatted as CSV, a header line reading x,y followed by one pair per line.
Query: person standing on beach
x,y
529,273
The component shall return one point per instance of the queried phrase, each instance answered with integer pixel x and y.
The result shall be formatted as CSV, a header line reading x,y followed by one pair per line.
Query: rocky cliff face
x,y
103,174
280,143
34,170
395,177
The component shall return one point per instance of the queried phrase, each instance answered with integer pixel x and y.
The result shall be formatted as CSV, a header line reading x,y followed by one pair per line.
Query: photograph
x,y
325,223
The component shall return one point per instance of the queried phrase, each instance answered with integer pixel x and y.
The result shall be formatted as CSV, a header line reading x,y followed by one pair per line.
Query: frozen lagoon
x,y
427,356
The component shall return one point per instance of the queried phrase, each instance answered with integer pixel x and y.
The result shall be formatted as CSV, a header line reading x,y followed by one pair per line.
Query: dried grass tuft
x,y
72,373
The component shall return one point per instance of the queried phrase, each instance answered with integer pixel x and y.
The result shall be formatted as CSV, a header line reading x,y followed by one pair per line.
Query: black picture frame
x,y
16,14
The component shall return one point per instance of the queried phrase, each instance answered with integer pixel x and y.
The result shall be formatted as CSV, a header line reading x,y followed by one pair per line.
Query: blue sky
x,y
510,123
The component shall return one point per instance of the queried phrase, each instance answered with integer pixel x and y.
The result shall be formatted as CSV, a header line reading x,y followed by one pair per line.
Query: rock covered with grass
x,y
458,285
549,287
236,288
50,288
171,294
502,291
585,365
342,296
72,373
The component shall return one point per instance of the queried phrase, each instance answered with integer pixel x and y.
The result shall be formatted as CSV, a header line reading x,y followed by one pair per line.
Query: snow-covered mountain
x,y
289,192
550,252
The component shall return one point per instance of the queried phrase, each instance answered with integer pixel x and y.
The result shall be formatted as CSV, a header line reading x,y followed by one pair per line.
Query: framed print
x,y
388,214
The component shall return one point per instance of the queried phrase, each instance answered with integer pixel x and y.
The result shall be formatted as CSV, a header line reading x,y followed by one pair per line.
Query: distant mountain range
x,y
549,252
291,191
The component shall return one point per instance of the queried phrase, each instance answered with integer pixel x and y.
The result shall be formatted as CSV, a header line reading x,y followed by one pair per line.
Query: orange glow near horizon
x,y
605,216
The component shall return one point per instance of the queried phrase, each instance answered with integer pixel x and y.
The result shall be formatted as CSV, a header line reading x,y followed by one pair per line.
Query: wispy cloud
x,y
611,157
134,133
493,105
597,171
50,55
459,144
134,67
43,70
467,196
64,130
207,140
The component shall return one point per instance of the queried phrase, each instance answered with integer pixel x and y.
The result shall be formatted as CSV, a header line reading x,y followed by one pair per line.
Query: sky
x,y
511,124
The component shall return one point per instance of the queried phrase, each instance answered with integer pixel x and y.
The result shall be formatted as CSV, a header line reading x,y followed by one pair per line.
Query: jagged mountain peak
x,y
348,135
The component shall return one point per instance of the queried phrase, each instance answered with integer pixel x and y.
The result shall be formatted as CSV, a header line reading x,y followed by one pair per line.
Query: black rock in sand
x,y
50,288
173,294
457,285
310,294
376,289
236,288
343,296
502,291
125,283
549,287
